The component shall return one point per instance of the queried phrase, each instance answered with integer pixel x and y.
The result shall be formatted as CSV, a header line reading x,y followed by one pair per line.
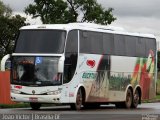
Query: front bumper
x,y
36,98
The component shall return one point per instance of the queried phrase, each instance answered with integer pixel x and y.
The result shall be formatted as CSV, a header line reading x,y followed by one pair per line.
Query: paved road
x,y
148,111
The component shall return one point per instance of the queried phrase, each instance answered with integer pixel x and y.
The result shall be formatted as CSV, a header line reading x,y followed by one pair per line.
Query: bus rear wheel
x,y
79,101
136,99
129,99
35,106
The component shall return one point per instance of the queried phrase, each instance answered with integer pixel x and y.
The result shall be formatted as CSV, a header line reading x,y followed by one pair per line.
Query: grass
x,y
17,105
21,105
158,97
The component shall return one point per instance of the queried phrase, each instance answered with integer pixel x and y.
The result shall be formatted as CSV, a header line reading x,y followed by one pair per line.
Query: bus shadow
x,y
101,108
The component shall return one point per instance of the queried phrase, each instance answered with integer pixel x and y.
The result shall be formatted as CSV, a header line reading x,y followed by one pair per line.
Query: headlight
x,y
54,92
15,91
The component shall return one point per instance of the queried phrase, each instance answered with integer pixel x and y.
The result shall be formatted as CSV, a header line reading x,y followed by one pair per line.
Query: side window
x,y
131,45
91,42
72,41
84,42
119,43
150,45
108,43
140,47
71,54
96,40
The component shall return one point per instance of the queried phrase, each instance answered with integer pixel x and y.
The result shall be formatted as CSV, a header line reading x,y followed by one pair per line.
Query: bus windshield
x,y
38,71
40,41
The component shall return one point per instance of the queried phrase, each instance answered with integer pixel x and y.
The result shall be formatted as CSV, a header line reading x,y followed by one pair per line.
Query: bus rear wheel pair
x,y
132,100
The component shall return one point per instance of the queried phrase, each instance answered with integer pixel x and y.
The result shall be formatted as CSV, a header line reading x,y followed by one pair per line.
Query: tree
x,y
5,10
59,11
9,26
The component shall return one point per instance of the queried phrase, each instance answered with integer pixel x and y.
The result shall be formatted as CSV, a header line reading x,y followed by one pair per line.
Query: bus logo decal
x,y
91,63
89,75
33,92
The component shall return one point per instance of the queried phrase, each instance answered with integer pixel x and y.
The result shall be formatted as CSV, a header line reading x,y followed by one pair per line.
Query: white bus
x,y
83,65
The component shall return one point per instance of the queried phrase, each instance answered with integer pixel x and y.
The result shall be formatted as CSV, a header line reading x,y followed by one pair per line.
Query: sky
x,y
141,16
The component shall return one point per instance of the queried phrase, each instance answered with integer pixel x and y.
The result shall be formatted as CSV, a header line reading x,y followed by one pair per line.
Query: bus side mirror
x,y
3,61
61,64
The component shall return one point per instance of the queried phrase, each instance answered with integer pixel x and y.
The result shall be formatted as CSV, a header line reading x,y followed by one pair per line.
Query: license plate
x,y
33,99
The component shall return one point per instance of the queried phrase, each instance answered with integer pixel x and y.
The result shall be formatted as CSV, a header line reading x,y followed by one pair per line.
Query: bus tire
x,y
35,106
129,99
136,99
79,101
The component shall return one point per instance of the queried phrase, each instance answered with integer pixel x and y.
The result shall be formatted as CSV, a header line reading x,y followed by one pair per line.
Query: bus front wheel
x,y
79,101
35,106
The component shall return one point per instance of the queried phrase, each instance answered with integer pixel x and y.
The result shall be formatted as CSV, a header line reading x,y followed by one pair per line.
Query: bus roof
x,y
87,26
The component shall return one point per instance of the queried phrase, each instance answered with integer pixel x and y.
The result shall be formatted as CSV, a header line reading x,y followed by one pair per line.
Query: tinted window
x,y
71,55
108,43
140,47
150,45
115,44
119,45
38,71
96,42
91,42
84,42
72,41
131,45
40,41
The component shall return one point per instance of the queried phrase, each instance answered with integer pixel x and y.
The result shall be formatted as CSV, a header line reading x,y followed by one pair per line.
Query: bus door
x,y
71,55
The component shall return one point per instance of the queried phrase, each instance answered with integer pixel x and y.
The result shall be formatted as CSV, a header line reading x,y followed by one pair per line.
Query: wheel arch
x,y
129,87
83,92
